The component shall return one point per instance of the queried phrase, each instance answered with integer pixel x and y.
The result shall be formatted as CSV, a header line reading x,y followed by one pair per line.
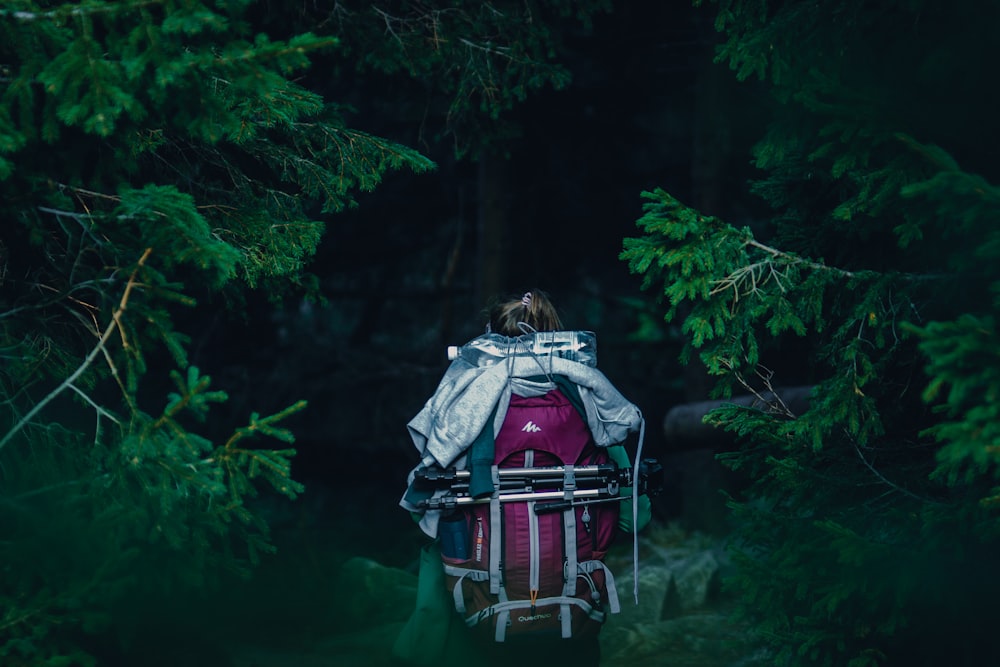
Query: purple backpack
x,y
532,572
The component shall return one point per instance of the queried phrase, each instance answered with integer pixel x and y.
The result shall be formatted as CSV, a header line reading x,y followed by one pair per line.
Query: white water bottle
x,y
485,350
488,349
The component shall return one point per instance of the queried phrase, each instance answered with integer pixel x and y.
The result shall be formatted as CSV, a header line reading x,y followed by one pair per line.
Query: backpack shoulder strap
x,y
481,459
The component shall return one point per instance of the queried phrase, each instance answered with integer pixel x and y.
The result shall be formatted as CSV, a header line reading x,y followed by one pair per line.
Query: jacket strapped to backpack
x,y
519,565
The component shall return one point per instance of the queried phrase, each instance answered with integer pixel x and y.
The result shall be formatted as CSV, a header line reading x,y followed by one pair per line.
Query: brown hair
x,y
533,309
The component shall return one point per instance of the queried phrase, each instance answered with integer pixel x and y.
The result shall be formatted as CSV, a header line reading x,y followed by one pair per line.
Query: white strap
x,y
635,510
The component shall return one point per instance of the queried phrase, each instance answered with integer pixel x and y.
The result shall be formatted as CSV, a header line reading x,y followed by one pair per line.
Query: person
x,y
533,311
467,409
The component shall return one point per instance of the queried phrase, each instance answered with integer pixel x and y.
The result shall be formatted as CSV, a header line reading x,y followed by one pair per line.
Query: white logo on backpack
x,y
531,427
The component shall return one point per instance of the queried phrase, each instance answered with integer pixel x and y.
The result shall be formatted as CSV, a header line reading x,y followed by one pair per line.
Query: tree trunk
x,y
493,224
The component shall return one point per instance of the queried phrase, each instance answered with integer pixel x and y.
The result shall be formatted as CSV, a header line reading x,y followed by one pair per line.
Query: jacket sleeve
x,y
618,454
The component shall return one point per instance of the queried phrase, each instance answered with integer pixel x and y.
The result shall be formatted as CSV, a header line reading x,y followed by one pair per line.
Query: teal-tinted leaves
x,y
192,18
673,249
872,509
728,279
192,394
329,162
186,468
90,88
168,221
784,318
964,367
964,204
10,140
149,153
245,464
280,105
268,426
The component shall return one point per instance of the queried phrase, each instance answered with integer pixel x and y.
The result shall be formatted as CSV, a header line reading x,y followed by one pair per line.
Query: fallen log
x,y
684,427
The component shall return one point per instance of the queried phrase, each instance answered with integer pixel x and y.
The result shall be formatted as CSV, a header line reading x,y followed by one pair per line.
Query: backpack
x,y
533,568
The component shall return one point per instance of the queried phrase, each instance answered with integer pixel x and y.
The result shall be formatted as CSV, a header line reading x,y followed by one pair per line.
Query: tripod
x,y
565,486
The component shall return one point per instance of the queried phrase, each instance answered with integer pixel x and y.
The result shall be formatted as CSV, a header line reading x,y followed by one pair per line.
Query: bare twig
x,y
769,396
882,477
794,259
100,410
88,360
503,51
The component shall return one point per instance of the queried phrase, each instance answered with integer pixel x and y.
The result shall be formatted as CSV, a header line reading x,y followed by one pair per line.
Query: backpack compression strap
x,y
504,606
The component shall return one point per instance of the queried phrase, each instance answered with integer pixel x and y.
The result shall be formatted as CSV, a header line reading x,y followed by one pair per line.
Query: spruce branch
x,y
757,275
769,397
112,326
58,296
265,426
59,486
502,51
85,220
429,20
388,20
760,273
101,411
794,259
882,478
243,465
192,395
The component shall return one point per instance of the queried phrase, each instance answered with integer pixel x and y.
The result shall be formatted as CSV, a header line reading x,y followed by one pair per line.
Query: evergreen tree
x,y
454,71
868,531
450,77
151,153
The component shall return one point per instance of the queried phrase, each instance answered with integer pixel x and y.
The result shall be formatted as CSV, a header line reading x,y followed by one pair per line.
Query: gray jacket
x,y
458,410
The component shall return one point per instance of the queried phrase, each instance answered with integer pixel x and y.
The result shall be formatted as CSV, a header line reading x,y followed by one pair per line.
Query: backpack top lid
x,y
490,348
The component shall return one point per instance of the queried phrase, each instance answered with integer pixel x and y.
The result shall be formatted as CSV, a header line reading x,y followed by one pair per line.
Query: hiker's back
x,y
522,484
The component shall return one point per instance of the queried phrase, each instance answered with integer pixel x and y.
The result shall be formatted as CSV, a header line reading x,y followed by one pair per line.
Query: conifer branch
x,y
88,360
794,259
99,409
88,193
758,274
769,396
264,426
59,296
502,51
388,19
882,477
51,487
94,328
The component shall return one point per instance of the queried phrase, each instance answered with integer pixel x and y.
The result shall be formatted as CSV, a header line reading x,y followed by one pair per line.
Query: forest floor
x,y
343,582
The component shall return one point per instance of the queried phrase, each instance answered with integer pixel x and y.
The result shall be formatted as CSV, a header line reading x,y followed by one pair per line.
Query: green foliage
x,y
151,154
472,62
865,535
157,85
963,358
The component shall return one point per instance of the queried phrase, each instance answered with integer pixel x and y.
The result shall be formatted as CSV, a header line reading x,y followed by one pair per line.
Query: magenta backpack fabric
x,y
533,593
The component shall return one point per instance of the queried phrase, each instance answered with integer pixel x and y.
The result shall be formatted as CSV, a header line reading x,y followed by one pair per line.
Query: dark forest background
x,y
544,205
237,238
